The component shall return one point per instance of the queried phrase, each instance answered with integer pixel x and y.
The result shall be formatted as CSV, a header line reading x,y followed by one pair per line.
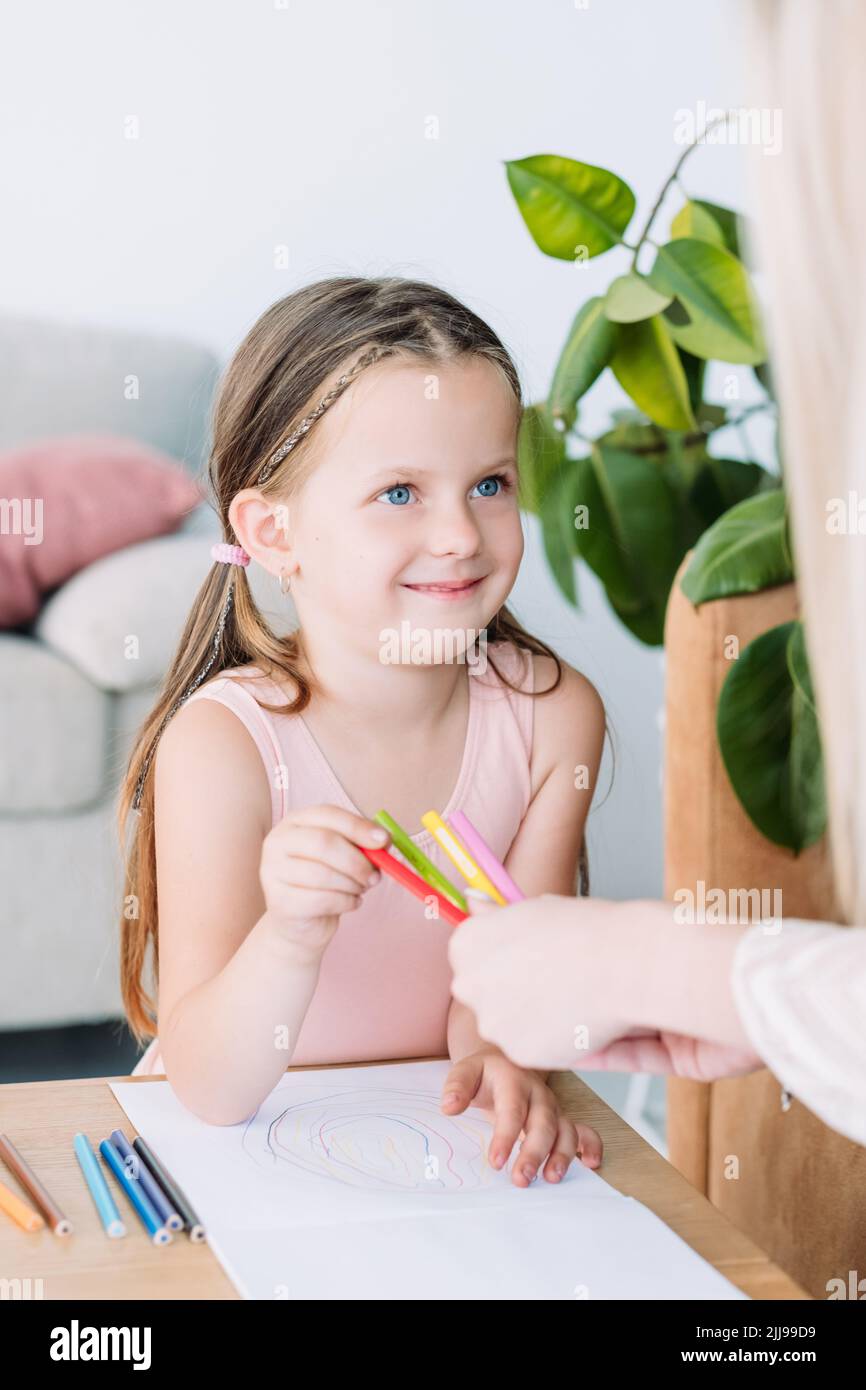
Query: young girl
x,y
364,451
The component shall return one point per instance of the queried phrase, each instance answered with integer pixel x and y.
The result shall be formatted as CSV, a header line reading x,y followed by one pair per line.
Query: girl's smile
x,y
448,590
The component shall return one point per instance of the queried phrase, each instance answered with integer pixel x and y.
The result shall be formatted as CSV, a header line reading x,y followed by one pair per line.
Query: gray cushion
x,y
119,620
69,378
62,896
54,731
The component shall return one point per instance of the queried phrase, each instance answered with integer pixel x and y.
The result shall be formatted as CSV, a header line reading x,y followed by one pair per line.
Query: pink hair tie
x,y
229,554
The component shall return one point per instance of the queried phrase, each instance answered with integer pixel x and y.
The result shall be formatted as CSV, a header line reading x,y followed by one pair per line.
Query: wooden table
x,y
41,1118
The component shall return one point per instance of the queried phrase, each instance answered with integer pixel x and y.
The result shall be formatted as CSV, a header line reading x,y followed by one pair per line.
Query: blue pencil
x,y
175,1195
141,1203
171,1219
102,1198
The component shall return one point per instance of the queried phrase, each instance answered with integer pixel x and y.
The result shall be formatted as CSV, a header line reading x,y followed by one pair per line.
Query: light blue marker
x,y
102,1198
141,1203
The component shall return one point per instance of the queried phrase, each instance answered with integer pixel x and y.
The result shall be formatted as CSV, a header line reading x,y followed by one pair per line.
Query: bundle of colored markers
x,y
152,1193
465,848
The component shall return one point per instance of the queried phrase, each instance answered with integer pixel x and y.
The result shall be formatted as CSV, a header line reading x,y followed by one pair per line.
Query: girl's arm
x,y
233,990
568,735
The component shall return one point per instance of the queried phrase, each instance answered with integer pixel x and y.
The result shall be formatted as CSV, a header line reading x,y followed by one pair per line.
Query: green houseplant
x,y
633,501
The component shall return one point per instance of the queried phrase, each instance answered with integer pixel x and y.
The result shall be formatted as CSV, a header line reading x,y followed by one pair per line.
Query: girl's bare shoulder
x,y
568,723
206,753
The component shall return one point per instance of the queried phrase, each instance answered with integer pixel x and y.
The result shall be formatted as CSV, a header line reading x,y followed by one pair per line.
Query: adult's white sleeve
x,y
801,995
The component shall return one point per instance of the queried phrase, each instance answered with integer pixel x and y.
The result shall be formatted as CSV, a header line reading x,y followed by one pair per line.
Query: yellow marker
x,y
460,856
12,1204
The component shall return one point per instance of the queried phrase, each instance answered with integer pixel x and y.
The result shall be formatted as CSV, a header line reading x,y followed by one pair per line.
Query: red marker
x,y
385,861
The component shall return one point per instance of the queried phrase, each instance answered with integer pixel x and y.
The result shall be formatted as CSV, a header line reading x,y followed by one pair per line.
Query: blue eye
x,y
503,484
398,487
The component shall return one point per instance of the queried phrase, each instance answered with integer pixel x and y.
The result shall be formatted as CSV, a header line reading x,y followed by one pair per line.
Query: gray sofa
x,y
70,699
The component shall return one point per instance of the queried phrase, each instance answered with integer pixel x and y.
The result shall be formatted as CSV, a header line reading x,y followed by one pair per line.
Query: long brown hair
x,y
269,391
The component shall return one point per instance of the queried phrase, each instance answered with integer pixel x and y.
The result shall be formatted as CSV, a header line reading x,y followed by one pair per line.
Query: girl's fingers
x,y
330,820
589,1146
326,847
562,1152
302,903
330,817
509,1115
461,1084
540,1131
313,873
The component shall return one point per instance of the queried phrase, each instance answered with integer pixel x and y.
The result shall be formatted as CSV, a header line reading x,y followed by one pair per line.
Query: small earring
x,y
285,582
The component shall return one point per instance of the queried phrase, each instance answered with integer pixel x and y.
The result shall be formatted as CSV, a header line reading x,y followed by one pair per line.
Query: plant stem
x,y
736,420
674,176
692,437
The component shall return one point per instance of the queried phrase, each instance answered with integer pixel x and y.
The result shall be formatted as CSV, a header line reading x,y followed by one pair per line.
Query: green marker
x,y
419,862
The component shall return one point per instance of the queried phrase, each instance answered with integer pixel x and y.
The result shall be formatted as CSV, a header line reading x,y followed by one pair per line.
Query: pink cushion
x,y
98,493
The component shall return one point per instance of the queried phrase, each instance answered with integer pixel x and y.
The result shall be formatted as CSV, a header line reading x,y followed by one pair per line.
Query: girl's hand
x,y
311,871
518,1102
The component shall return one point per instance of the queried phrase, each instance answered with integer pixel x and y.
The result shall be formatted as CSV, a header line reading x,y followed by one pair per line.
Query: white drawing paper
x,y
351,1183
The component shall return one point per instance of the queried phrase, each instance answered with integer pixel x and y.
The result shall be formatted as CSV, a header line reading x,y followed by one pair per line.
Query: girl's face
x,y
411,515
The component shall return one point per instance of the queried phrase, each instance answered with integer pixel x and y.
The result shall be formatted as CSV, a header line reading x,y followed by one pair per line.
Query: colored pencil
x,y
98,1187
175,1195
139,1200
171,1219
485,858
409,879
59,1224
419,861
459,855
13,1206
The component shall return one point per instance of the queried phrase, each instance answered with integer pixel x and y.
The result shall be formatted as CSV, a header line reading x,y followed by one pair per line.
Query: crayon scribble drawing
x,y
383,1140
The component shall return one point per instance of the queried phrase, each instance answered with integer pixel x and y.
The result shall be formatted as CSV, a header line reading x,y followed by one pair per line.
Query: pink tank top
x,y
384,987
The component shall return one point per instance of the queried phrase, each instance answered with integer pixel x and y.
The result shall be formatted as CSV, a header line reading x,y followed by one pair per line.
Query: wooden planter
x,y
799,1189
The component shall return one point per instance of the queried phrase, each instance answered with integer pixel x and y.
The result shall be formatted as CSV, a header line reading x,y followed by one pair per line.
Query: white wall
x,y
305,125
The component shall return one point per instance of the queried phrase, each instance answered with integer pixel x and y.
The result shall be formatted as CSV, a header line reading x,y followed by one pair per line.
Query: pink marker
x,y
485,858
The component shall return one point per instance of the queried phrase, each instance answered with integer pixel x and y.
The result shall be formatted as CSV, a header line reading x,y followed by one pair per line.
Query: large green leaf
x,y
647,365
764,372
714,290
807,763
694,219
540,455
631,298
721,483
631,430
745,551
557,527
736,229
711,222
630,541
695,370
590,345
570,208
769,741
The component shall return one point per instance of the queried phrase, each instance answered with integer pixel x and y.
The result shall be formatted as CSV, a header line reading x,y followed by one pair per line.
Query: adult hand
x,y
586,984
